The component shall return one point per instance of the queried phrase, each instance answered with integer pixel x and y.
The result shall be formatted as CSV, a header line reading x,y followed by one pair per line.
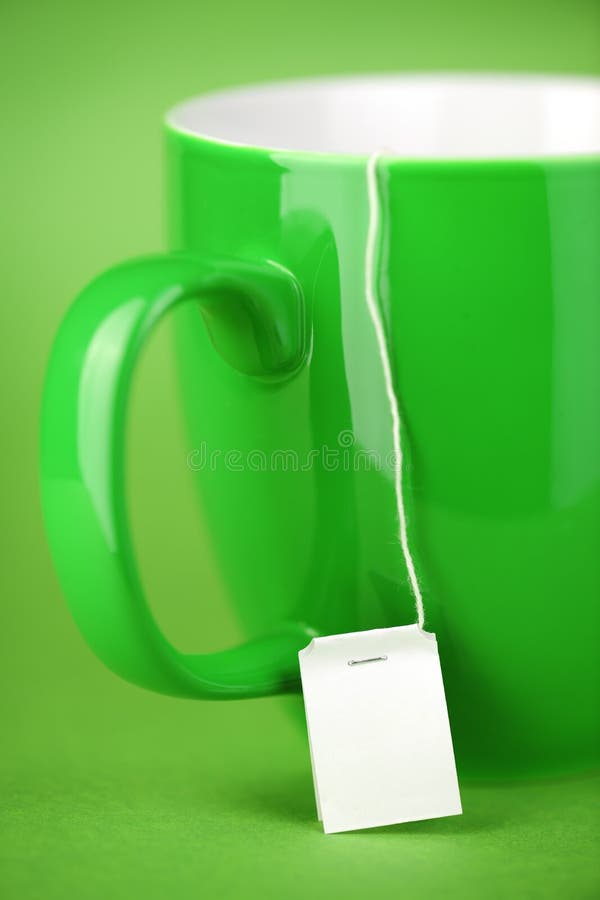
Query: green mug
x,y
488,281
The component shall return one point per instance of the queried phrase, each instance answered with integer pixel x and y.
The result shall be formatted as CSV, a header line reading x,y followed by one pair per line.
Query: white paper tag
x,y
378,727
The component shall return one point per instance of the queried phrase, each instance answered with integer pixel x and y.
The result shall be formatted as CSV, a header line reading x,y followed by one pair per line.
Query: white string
x,y
370,293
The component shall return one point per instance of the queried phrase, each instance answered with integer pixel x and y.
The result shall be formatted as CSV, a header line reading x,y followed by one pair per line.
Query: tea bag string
x,y
374,311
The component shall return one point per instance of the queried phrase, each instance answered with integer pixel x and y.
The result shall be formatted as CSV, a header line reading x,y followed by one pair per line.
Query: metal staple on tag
x,y
359,662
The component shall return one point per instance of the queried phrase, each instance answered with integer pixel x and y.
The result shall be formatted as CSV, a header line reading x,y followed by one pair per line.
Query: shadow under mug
x,y
489,286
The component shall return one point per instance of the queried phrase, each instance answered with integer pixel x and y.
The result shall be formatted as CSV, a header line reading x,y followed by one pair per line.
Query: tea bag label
x,y
379,734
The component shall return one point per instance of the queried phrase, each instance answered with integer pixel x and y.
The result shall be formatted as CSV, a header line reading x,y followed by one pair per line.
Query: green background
x,y
106,791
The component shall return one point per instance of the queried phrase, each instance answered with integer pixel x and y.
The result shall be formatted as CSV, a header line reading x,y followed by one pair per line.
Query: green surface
x,y
111,809
98,798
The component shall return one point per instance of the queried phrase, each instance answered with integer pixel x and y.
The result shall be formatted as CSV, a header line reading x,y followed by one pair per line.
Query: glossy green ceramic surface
x,y
489,285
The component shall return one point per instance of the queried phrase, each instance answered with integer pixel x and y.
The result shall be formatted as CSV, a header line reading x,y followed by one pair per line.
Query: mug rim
x,y
191,118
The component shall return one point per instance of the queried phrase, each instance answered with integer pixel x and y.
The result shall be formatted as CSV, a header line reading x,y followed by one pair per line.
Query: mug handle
x,y
255,317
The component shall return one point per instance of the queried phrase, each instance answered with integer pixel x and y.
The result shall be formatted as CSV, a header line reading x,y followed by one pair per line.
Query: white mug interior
x,y
420,116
